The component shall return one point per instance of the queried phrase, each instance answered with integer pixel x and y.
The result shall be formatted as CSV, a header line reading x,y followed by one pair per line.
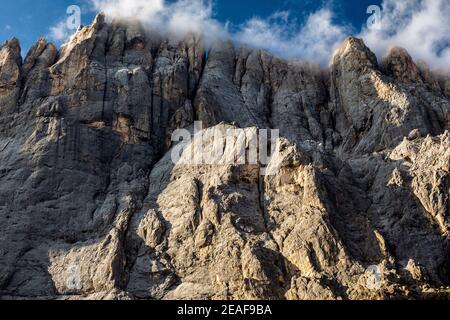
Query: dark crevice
x,y
195,90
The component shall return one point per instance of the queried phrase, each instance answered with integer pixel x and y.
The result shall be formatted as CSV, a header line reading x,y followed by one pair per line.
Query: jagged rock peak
x,y
10,50
400,65
99,20
14,43
354,51
10,74
41,52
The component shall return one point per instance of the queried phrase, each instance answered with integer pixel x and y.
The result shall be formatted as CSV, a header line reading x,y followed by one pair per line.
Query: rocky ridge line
x,y
87,183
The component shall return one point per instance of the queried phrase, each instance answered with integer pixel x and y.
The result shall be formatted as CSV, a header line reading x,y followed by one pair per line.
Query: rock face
x,y
92,205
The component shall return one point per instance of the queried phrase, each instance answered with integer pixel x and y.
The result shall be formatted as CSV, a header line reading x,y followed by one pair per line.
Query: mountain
x,y
92,205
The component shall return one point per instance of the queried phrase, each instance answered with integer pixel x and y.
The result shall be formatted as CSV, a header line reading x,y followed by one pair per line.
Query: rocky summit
x,y
93,207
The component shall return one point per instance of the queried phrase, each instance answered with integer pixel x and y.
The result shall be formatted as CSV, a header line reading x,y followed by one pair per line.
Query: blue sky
x,y
29,19
305,29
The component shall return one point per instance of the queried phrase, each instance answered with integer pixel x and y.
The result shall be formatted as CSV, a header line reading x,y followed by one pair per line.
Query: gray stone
x,y
92,206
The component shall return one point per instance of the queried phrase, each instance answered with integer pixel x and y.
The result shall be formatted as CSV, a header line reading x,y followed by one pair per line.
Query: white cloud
x,y
420,26
315,40
179,17
60,32
8,27
278,33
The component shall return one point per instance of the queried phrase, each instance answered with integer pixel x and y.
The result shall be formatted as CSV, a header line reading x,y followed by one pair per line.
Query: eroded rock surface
x,y
92,205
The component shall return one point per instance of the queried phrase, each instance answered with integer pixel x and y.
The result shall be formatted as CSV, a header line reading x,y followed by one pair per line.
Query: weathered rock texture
x,y
88,188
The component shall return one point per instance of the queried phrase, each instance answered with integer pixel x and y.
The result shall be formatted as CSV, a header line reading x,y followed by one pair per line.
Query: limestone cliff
x,y
88,188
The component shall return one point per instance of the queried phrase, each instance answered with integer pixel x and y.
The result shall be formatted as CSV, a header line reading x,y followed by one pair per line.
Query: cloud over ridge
x,y
420,26
177,17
